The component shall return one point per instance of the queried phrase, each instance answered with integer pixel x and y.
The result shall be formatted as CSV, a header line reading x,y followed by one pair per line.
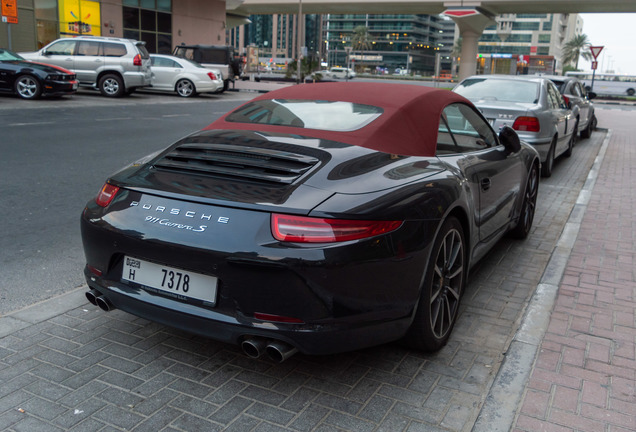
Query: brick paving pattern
x,y
584,378
86,370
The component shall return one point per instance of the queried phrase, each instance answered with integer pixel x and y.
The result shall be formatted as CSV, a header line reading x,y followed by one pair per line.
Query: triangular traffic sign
x,y
596,50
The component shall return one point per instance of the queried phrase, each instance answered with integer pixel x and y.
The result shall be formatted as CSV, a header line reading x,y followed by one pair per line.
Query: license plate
x,y
75,86
178,283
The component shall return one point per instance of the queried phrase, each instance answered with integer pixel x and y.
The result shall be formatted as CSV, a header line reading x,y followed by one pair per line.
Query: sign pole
x,y
595,50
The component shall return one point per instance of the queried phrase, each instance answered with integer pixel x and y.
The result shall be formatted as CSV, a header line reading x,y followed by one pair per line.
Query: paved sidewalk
x,y
584,377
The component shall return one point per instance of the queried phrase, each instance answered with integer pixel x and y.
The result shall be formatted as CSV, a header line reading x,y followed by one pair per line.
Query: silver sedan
x,y
185,77
531,105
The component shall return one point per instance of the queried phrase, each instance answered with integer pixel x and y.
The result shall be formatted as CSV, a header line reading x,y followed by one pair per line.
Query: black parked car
x,y
319,217
30,80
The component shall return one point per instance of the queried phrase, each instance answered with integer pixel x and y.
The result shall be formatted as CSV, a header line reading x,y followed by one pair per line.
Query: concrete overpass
x,y
471,16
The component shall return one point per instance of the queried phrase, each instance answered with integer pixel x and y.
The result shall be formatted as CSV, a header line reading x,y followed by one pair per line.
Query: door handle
x,y
485,183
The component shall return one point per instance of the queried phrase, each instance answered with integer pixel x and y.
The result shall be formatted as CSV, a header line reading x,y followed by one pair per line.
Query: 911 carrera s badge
x,y
168,223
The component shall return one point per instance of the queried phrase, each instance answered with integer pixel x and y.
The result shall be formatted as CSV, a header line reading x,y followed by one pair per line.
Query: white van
x,y
341,72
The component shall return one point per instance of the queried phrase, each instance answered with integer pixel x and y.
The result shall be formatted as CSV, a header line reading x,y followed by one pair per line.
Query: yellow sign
x,y
79,17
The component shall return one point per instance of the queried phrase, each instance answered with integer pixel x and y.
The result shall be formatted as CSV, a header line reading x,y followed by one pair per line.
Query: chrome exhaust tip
x,y
280,351
254,347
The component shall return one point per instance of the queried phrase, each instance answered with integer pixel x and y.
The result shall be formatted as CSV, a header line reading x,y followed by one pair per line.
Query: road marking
x,y
30,124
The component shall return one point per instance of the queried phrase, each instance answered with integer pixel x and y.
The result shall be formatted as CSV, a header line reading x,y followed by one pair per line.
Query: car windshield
x,y
499,89
310,114
6,55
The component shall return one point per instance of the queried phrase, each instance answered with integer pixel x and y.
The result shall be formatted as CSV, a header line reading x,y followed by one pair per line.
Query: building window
x,y
525,25
149,21
544,38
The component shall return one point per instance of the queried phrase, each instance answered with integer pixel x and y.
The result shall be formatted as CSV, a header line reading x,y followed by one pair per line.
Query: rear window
x,y
499,89
142,50
309,114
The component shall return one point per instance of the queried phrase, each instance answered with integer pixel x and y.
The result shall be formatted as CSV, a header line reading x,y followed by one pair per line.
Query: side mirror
x,y
509,139
591,95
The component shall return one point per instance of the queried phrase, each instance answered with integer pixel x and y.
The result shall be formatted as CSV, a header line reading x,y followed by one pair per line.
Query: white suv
x,y
342,72
114,66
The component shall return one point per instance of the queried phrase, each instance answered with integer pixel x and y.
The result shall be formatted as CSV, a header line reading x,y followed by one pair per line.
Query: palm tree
x,y
361,38
576,47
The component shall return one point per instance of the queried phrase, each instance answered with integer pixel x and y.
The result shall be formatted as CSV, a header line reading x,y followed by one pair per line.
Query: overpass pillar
x,y
471,23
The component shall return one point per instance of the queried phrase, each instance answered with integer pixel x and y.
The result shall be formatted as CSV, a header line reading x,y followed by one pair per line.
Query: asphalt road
x,y
55,156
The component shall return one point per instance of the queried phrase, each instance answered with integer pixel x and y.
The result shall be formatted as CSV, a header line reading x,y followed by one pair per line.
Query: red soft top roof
x,y
408,125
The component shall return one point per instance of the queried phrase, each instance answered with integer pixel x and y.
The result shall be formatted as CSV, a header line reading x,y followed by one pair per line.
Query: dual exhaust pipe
x,y
278,351
97,299
253,347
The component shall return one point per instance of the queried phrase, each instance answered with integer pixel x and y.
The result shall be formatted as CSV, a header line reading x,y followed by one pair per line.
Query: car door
x,y
60,53
583,103
493,173
164,73
7,74
89,60
560,115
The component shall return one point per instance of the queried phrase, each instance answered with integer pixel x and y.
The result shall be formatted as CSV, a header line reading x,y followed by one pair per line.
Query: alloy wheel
x,y
447,283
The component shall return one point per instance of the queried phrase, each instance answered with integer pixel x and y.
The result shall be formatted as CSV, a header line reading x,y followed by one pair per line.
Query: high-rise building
x,y
526,43
402,42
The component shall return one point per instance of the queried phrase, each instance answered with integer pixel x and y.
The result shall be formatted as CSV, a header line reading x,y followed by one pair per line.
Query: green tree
x,y
307,66
361,38
575,48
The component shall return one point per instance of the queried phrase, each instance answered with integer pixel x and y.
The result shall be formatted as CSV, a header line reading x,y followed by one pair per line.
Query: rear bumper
x,y
137,79
348,296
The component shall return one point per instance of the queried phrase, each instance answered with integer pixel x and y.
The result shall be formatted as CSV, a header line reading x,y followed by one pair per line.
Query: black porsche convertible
x,y
30,80
318,218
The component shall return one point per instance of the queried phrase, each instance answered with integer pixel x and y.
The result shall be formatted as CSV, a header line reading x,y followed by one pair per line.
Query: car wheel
x,y
630,92
587,132
546,168
528,207
573,139
111,85
185,88
28,87
441,291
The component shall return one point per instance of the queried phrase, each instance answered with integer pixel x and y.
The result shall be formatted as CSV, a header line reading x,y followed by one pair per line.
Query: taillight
x,y
277,318
106,195
212,76
318,230
566,99
137,60
527,124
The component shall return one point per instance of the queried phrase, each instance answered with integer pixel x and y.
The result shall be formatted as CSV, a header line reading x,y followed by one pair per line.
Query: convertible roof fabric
x,y
407,127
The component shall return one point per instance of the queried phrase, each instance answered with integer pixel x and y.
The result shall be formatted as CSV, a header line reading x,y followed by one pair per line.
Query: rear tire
x,y
441,291
528,207
185,88
573,139
546,168
587,132
28,87
111,85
